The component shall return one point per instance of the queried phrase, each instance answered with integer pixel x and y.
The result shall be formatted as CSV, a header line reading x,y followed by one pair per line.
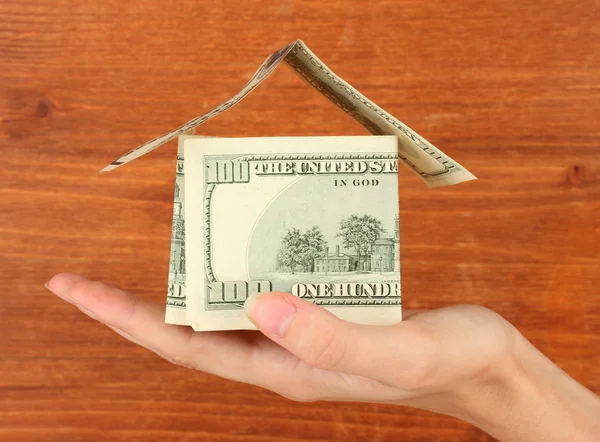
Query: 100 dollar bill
x,y
175,311
424,159
313,216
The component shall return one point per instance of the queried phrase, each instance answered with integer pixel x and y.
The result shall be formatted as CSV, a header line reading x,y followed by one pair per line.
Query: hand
x,y
464,361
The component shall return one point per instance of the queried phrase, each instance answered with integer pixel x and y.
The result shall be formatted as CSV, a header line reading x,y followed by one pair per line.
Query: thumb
x,y
399,355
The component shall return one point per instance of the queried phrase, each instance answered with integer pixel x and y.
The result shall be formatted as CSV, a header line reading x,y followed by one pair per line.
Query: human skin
x,y
464,361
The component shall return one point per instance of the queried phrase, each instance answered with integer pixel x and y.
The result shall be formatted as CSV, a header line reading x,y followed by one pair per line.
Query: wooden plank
x,y
511,90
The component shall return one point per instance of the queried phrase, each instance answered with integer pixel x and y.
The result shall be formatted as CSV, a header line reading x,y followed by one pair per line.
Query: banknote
x,y
175,310
428,162
313,216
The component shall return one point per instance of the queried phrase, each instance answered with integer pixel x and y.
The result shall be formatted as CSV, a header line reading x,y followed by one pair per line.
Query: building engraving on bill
x,y
383,256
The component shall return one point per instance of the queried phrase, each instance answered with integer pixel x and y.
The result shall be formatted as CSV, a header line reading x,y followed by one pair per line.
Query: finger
x,y
245,357
242,356
109,284
143,323
397,355
61,282
119,310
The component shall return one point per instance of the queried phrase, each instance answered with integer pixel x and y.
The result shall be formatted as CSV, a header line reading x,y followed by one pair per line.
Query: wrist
x,y
529,398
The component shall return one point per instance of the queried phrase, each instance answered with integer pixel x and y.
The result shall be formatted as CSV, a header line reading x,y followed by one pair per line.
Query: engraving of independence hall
x,y
368,248
381,255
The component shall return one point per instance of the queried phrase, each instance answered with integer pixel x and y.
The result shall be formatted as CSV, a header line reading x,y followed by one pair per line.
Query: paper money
x,y
425,160
175,311
313,216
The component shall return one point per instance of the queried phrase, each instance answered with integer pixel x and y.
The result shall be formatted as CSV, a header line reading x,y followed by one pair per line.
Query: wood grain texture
x,y
509,88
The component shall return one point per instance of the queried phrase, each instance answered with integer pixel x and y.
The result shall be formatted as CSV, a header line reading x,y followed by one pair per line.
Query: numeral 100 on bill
x,y
227,171
235,291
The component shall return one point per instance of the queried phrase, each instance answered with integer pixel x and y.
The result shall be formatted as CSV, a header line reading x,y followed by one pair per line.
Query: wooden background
x,y
509,88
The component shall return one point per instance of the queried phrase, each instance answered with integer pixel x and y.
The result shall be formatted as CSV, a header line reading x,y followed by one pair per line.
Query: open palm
x,y
311,354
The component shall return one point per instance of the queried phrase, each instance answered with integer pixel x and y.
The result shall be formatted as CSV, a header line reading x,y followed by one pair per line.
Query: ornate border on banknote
x,y
176,284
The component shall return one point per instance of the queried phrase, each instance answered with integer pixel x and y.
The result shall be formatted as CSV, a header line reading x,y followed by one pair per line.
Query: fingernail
x,y
64,295
272,314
